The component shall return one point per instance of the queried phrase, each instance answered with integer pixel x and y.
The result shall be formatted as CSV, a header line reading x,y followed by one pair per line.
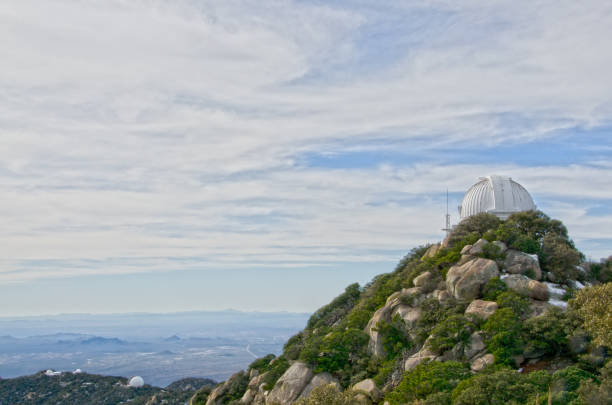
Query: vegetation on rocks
x,y
409,336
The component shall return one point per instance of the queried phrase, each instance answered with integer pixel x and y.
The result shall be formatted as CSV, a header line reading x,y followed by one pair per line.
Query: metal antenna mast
x,y
447,228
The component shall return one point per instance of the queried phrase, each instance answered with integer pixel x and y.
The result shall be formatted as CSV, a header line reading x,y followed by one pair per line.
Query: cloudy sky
x,y
261,155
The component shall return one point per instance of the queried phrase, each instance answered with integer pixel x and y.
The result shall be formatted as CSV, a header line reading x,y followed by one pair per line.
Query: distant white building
x,y
498,195
136,382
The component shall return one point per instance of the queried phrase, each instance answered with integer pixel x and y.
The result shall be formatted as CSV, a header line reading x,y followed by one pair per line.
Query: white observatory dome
x,y
136,382
498,195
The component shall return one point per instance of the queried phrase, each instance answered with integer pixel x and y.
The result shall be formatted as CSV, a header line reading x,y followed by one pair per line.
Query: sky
x,y
180,155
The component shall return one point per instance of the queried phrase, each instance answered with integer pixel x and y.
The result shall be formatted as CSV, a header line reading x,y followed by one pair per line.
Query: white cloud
x,y
150,135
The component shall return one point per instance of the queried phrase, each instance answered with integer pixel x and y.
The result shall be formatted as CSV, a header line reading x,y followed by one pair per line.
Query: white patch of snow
x,y
503,276
555,289
558,303
579,285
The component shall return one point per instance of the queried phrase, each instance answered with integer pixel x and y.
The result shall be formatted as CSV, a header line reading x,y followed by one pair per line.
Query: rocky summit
x,y
500,312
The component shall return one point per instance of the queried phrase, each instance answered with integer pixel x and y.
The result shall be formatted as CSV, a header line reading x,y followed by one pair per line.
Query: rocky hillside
x,y
81,388
500,312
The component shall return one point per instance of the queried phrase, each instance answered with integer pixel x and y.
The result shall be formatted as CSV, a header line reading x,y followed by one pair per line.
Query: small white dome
x,y
498,195
136,382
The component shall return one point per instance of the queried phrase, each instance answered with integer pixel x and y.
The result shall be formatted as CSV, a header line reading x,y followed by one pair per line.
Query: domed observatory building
x,y
498,195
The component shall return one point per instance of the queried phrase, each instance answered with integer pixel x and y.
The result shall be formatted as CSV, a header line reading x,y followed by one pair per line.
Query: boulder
x,y
465,282
466,250
521,263
319,380
501,245
369,388
477,248
481,308
480,363
464,259
475,346
409,314
422,279
526,286
361,399
248,397
432,251
375,344
424,354
291,384
441,295
395,300
216,395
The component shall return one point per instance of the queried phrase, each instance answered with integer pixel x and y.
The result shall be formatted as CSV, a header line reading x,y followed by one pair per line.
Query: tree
x,y
593,305
559,257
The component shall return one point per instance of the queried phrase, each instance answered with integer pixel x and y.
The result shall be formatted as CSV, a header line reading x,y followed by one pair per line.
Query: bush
x,y
517,303
262,363
453,330
559,257
426,379
326,394
335,310
549,332
275,370
592,306
394,336
503,339
493,289
492,251
500,388
475,227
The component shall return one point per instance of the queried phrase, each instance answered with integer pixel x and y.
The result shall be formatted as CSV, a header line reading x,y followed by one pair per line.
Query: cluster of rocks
x,y
464,282
296,383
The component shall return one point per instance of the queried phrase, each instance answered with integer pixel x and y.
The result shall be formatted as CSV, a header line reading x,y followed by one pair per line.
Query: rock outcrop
x,y
369,388
521,263
216,395
481,308
475,347
422,279
465,282
317,381
527,287
291,384
480,363
394,305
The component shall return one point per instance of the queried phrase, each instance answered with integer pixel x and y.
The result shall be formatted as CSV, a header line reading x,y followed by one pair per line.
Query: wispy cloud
x,y
150,135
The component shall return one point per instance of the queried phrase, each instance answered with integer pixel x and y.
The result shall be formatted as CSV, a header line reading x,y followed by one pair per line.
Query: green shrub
x,y
473,227
492,251
262,363
426,379
493,289
504,335
335,310
452,330
235,387
559,257
592,307
548,332
500,388
394,336
517,303
274,371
